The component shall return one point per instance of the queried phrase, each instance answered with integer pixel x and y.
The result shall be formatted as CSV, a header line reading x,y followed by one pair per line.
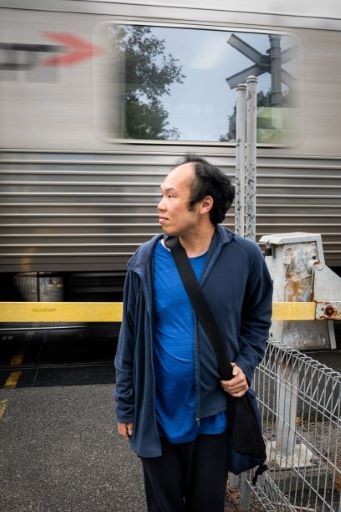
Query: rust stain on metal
x,y
298,274
329,312
298,290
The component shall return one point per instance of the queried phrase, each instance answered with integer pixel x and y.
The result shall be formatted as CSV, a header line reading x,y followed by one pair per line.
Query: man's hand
x,y
237,386
125,430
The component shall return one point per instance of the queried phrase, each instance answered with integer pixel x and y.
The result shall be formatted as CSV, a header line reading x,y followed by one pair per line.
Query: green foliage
x,y
263,100
149,73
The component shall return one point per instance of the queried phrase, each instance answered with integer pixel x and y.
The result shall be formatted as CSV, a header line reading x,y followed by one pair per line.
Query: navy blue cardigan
x,y
238,287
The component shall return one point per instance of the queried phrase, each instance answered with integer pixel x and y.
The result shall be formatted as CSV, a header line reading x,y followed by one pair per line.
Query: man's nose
x,y
161,205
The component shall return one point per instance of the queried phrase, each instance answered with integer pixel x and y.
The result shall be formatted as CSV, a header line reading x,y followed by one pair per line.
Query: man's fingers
x,y
122,430
125,430
237,386
234,382
236,391
235,369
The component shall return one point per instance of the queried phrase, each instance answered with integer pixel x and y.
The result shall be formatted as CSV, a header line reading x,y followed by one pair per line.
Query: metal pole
x,y
245,493
234,481
248,204
276,70
250,171
287,391
240,160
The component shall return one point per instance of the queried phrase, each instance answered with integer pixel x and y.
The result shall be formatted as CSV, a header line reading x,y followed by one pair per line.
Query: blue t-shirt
x,y
174,349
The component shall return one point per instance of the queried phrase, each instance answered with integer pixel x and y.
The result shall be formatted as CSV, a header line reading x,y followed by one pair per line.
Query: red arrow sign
x,y
79,49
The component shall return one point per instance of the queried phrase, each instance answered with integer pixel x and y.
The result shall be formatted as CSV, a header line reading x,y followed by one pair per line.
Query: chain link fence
x,y
299,399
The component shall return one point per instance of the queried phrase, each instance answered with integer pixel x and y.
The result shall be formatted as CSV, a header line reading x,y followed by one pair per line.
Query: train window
x,y
178,84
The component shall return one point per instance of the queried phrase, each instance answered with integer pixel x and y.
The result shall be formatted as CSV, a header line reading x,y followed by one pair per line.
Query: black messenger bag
x,y
246,444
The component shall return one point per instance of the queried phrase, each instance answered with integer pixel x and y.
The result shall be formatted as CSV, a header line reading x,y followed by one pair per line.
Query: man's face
x,y
174,215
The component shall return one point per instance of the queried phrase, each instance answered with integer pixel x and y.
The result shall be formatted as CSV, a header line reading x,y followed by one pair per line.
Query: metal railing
x,y
300,401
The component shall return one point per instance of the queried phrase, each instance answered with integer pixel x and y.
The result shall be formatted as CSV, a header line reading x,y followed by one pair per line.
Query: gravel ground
x,y
60,453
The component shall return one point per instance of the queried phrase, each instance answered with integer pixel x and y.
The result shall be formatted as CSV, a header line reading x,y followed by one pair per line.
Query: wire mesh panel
x,y
299,399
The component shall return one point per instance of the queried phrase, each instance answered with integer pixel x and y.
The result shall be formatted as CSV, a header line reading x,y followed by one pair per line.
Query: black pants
x,y
188,477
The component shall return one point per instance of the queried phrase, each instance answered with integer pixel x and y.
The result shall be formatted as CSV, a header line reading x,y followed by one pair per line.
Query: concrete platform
x,y
58,453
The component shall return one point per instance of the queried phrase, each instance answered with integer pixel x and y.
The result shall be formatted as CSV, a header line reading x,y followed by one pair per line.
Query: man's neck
x,y
197,242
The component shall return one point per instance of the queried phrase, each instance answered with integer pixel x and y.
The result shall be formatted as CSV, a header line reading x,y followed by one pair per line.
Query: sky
x,y
200,107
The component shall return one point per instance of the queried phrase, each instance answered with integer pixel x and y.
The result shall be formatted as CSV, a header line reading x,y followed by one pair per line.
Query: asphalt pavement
x,y
60,452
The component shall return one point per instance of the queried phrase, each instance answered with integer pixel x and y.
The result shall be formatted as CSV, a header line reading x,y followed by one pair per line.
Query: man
x,y
171,405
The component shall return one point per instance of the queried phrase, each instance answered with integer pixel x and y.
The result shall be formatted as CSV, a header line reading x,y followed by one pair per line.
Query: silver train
x,y
98,99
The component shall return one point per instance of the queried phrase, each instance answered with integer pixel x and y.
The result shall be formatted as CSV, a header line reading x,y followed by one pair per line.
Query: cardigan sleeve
x,y
124,359
255,316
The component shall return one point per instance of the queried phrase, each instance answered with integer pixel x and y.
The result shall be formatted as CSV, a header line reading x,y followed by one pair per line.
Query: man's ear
x,y
206,204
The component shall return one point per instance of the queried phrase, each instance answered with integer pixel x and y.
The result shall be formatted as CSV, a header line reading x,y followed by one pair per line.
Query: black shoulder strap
x,y
200,306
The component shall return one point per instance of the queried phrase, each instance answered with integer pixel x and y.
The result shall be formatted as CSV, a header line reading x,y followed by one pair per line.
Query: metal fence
x,y
299,399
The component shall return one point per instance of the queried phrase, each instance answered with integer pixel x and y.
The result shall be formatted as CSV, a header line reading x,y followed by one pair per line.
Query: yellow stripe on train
x,y
61,311
12,312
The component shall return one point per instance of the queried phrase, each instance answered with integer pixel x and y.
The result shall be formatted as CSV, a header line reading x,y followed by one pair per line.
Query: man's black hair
x,y
210,181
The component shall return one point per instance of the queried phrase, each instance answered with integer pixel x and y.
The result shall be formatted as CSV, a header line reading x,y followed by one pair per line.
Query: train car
x,y
98,99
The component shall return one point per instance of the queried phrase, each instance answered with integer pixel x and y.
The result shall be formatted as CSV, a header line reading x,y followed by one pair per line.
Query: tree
x,y
231,134
148,75
263,100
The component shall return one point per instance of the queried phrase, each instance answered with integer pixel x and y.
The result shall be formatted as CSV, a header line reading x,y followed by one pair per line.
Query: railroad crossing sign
x,y
269,63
